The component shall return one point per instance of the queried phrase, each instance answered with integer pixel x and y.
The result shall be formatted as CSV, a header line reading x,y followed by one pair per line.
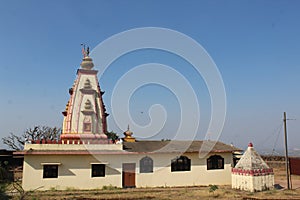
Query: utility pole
x,y
286,152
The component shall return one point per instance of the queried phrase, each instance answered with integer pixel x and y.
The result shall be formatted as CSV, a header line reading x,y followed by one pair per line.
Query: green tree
x,y
112,135
16,142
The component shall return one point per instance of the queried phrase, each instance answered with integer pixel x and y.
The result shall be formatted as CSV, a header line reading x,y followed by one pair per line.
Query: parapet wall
x,y
73,147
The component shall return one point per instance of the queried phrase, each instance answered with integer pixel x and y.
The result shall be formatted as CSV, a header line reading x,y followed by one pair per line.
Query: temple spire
x,y
85,114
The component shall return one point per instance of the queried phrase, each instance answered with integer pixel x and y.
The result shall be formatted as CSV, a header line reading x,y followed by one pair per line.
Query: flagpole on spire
x,y
88,51
83,50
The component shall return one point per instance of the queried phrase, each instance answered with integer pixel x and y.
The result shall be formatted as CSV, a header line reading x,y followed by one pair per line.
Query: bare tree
x,y
32,134
21,193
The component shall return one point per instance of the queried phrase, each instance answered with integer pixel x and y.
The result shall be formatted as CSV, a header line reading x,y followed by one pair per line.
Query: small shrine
x,y
251,173
128,136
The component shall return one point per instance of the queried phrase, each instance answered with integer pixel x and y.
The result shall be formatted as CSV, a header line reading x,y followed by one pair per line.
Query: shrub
x,y
213,188
109,187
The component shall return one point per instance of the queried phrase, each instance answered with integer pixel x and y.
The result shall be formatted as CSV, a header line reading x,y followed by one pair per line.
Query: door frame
x,y
128,175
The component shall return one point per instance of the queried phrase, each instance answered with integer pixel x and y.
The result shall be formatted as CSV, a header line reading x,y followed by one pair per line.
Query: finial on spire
x,y
85,50
87,62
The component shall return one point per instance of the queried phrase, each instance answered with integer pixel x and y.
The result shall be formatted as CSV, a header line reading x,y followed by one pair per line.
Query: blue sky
x,y
255,45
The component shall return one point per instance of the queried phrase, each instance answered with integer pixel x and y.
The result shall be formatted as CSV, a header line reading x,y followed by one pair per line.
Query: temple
x,y
85,116
85,158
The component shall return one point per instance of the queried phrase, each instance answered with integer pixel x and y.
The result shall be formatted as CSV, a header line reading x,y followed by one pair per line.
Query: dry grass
x,y
178,193
280,177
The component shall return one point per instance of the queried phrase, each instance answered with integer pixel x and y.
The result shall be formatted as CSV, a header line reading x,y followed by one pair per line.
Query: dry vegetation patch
x,y
178,193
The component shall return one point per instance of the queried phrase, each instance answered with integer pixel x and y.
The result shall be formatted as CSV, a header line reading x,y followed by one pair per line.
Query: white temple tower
x,y
251,173
85,116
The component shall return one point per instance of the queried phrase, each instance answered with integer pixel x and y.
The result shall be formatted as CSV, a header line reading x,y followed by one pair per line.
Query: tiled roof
x,y
178,146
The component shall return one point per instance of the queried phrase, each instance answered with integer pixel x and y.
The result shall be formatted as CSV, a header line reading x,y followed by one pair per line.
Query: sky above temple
x,y
254,44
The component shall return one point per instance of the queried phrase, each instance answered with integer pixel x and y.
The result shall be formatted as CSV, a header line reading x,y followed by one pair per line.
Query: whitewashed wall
x,y
75,171
252,183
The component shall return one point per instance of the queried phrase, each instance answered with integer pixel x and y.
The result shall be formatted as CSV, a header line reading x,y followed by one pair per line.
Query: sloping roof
x,y
251,160
177,146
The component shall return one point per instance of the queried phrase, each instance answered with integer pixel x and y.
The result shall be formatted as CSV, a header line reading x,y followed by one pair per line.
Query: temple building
x,y
84,158
251,173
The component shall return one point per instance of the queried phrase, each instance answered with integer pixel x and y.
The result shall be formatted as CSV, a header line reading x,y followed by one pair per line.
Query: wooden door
x,y
128,175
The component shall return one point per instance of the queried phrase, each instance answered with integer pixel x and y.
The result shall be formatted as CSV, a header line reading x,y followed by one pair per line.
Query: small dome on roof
x,y
128,136
128,133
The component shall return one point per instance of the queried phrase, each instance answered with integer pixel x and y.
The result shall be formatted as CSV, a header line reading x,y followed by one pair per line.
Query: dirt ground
x,y
280,178
178,193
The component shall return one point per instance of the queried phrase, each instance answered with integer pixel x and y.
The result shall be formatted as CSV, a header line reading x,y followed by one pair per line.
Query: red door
x,y
128,175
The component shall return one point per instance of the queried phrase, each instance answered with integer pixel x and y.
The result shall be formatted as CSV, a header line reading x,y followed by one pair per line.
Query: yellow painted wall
x,y
75,171
199,175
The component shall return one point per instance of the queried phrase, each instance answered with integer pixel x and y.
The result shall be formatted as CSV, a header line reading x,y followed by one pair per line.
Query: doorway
x,y
128,175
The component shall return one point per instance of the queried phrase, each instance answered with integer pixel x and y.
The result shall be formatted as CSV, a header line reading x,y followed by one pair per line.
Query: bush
x,y
3,188
109,187
213,188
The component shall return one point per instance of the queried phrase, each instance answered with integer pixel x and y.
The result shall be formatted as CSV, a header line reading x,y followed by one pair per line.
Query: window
x,y
98,170
215,162
182,163
146,165
50,171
